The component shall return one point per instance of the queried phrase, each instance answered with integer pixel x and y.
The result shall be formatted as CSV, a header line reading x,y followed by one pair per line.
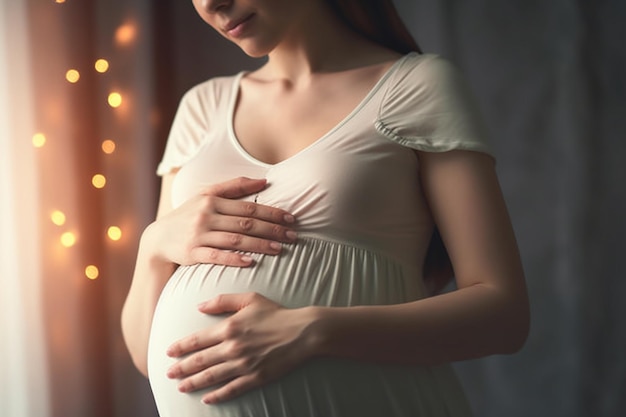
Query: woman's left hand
x,y
259,343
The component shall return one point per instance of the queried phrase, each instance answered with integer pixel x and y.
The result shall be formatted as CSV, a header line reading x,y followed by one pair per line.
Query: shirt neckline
x,y
233,103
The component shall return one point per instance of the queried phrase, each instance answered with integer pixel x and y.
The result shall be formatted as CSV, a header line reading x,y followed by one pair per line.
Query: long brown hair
x,y
378,21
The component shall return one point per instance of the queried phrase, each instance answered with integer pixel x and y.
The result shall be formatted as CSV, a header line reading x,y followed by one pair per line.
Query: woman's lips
x,y
235,28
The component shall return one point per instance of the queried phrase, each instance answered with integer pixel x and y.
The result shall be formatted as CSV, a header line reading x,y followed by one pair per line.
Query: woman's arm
x,y
206,229
487,314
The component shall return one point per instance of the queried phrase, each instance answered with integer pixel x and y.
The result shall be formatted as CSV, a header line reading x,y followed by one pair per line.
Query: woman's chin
x,y
255,52
254,49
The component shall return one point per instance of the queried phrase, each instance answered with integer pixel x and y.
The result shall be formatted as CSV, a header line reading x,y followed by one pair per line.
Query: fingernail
x,y
170,352
206,401
275,245
289,218
291,235
246,259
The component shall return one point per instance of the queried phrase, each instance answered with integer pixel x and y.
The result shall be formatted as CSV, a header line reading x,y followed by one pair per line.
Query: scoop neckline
x,y
236,86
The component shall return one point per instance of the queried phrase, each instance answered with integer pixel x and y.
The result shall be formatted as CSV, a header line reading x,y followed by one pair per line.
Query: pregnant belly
x,y
313,272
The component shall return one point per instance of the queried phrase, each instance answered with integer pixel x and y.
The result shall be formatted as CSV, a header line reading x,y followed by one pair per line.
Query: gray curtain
x,y
549,76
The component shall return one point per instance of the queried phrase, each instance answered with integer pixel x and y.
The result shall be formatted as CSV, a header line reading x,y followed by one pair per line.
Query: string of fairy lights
x,y
124,34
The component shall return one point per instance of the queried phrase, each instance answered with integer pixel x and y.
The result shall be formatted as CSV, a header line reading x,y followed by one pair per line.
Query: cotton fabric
x,y
363,227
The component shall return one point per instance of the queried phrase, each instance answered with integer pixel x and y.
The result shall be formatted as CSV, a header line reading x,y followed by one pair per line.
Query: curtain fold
x,y
24,387
74,204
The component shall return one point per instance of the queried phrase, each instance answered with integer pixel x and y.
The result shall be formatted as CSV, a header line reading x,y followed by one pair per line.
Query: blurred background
x,y
88,90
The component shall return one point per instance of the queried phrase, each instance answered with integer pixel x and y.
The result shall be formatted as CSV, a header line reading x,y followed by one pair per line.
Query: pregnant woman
x,y
289,270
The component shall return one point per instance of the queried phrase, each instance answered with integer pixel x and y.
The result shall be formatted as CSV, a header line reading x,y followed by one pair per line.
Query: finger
x,y
192,343
228,303
253,227
209,376
213,255
196,362
233,389
253,210
237,187
233,241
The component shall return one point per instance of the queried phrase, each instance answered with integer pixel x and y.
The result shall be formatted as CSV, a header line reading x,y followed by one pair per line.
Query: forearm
x,y
468,323
149,278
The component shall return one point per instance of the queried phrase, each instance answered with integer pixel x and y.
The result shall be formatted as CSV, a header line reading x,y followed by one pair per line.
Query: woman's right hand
x,y
211,226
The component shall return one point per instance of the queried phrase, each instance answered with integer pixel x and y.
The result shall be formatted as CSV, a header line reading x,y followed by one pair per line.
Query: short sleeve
x,y
428,107
190,125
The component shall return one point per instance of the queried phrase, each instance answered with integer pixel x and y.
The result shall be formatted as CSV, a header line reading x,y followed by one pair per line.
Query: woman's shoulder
x,y
428,106
423,80
211,91
417,71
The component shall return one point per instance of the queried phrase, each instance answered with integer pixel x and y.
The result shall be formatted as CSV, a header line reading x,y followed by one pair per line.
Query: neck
x,y
321,43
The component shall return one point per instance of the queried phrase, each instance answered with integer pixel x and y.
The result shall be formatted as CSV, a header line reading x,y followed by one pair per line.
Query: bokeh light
x,y
68,239
108,146
72,76
58,217
101,65
98,181
92,272
114,233
125,34
115,99
39,139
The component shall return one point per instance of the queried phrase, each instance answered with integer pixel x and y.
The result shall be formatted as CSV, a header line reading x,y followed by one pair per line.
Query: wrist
x,y
342,331
149,251
318,331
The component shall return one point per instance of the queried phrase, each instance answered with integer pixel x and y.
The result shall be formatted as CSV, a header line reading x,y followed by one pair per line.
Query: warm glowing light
x,y
72,76
98,181
92,272
114,233
102,65
58,217
39,139
68,239
108,146
59,1
115,99
126,33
